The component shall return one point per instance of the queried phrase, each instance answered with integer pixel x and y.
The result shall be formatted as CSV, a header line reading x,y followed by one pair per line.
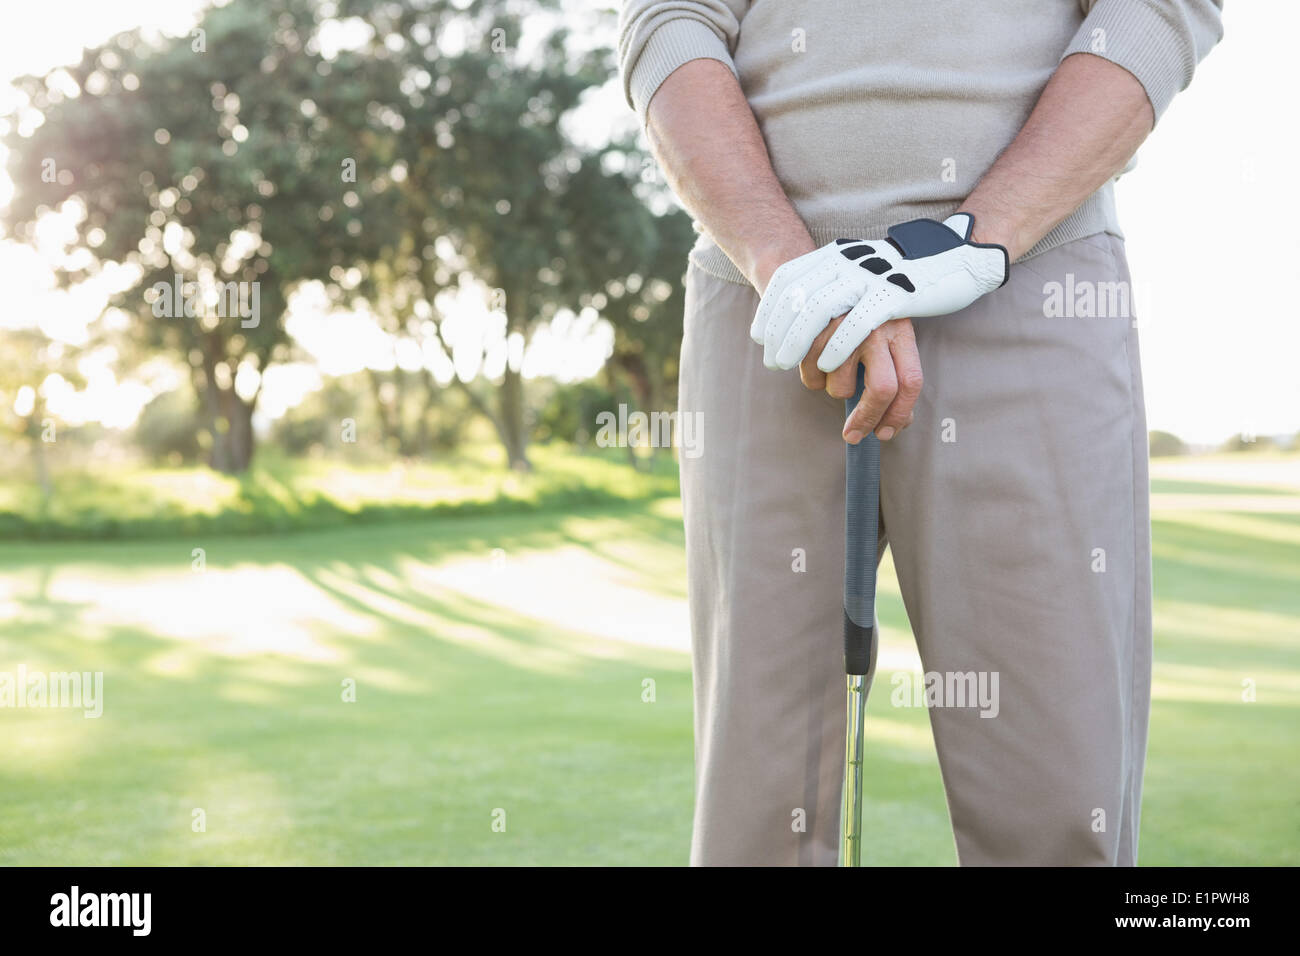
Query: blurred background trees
x,y
391,158
27,361
446,254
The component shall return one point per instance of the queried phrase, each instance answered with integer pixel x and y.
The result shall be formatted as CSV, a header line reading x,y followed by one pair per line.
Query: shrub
x,y
168,428
1163,444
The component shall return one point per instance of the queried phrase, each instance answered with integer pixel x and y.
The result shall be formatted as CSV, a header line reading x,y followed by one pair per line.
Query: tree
x,y
491,172
244,160
167,430
646,311
1244,441
217,165
27,359
1165,443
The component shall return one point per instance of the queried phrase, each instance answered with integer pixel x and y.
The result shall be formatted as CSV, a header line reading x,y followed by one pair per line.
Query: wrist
x,y
763,261
993,228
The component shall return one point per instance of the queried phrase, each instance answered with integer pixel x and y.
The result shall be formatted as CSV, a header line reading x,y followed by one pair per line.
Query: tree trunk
x,y
38,451
407,434
232,432
239,432
654,398
432,395
227,417
514,428
214,425
387,427
643,392
213,413
514,433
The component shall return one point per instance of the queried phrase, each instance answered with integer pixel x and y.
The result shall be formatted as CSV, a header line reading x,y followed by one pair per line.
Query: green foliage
x,y
647,312
168,428
317,423
570,412
280,494
230,161
1163,444
495,188
1251,443
223,162
370,415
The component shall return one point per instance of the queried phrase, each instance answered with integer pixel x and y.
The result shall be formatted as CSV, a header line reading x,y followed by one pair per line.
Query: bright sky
x,y
1209,215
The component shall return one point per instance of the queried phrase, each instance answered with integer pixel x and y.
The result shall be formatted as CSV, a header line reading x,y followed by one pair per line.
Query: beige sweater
x,y
880,111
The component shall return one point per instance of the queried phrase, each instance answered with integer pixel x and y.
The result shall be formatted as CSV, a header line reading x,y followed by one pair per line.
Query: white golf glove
x,y
923,268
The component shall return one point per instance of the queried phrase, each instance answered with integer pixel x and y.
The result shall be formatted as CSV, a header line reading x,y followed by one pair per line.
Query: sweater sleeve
x,y
1159,41
655,37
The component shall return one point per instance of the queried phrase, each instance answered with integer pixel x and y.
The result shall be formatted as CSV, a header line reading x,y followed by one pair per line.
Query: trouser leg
x,y
1017,512
764,516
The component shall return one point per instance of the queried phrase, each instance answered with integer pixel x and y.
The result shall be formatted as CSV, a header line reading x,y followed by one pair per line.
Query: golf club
x,y
861,530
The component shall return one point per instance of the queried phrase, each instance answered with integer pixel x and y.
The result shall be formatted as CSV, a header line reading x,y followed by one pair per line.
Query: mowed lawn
x,y
523,692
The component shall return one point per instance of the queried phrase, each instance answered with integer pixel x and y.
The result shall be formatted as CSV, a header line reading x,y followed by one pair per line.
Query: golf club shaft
x,y
851,832
861,531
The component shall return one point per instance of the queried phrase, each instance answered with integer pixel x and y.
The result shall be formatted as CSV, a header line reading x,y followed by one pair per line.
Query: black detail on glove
x,y
923,237
877,266
902,281
857,252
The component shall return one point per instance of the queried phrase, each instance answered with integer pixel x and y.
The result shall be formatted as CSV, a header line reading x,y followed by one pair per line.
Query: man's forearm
x,y
1088,123
708,143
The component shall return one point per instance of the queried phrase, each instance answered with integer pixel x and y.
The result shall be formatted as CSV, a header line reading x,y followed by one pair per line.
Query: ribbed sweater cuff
x,y
676,42
1143,40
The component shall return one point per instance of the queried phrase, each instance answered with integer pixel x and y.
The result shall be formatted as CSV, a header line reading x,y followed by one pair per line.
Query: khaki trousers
x,y
1016,507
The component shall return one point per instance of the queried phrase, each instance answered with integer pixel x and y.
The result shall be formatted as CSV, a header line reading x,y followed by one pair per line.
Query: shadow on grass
x,y
466,709
462,708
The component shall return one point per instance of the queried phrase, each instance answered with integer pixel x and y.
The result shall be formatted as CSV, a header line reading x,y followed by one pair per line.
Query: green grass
x,y
280,494
494,670
223,692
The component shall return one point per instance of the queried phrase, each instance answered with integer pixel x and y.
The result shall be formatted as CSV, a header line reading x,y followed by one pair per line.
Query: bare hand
x,y
893,379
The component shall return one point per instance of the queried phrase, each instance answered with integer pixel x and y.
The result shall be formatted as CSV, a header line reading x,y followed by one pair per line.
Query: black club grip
x,y
861,538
